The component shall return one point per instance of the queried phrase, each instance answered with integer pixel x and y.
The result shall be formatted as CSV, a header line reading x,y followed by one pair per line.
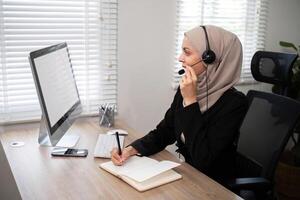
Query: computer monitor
x,y
58,95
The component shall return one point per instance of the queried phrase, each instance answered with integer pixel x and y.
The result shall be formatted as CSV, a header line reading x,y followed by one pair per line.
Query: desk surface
x,y
40,176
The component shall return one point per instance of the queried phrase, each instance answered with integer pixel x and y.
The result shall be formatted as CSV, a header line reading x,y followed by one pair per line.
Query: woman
x,y
206,112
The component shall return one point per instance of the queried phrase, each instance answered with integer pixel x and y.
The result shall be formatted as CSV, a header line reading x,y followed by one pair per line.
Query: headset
x,y
208,56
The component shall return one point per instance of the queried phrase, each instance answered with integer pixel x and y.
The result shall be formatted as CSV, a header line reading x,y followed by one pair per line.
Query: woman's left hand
x,y
188,85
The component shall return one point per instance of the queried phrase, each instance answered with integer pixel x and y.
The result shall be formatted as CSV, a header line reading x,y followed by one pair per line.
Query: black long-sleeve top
x,y
209,137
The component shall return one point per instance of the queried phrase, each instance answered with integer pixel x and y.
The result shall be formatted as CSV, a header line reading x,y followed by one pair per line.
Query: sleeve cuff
x,y
139,147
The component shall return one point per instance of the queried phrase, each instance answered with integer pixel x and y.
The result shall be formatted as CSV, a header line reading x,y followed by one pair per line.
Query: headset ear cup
x,y
208,56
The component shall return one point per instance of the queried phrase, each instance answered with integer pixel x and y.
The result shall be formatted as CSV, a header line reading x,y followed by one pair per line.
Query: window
x,y
246,18
90,29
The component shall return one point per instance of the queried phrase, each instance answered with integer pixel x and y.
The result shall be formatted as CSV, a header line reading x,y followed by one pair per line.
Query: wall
x,y
146,31
283,23
145,61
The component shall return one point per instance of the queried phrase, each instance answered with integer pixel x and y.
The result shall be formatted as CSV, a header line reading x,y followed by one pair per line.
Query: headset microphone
x,y
180,72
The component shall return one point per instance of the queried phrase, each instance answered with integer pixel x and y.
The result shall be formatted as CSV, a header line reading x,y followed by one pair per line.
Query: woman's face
x,y
190,56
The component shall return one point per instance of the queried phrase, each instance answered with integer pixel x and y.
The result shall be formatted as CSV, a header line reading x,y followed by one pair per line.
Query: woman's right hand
x,y
188,86
126,153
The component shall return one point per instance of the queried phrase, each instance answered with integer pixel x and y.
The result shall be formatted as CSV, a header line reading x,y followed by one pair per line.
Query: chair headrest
x,y
273,67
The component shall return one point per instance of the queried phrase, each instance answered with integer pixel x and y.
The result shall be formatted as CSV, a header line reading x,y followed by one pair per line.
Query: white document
x,y
140,168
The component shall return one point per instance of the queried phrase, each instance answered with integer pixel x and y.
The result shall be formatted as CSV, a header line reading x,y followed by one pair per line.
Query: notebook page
x,y
149,171
134,163
139,168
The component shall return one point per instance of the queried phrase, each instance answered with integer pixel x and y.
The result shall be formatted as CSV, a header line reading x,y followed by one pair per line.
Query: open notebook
x,y
144,173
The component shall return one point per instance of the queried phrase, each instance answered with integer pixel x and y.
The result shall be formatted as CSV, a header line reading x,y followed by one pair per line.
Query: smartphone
x,y
64,151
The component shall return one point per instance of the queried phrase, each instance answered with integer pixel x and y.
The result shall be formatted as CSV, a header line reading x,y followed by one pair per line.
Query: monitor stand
x,y
65,141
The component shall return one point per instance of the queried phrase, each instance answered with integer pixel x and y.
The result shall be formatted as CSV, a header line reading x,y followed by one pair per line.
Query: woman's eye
x,y
187,53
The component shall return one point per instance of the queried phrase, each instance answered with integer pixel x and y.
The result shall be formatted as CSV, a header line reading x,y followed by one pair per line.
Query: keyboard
x,y
105,144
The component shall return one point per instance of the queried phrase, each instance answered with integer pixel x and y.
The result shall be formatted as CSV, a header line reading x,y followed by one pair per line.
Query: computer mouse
x,y
120,131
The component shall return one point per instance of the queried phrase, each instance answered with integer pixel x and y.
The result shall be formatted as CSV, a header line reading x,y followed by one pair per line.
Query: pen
x,y
118,141
104,113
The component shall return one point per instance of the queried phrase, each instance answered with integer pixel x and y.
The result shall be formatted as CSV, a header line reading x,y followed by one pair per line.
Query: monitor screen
x,y
56,88
57,83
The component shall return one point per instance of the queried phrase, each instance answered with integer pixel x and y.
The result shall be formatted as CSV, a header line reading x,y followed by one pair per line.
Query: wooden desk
x,y
40,176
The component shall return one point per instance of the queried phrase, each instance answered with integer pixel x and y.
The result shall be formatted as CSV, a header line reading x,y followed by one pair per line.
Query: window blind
x,y
90,29
246,18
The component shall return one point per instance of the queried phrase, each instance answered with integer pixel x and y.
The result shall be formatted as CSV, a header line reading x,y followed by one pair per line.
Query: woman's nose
x,y
180,58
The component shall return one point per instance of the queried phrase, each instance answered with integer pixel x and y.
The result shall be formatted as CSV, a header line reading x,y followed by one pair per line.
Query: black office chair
x,y
266,128
274,68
